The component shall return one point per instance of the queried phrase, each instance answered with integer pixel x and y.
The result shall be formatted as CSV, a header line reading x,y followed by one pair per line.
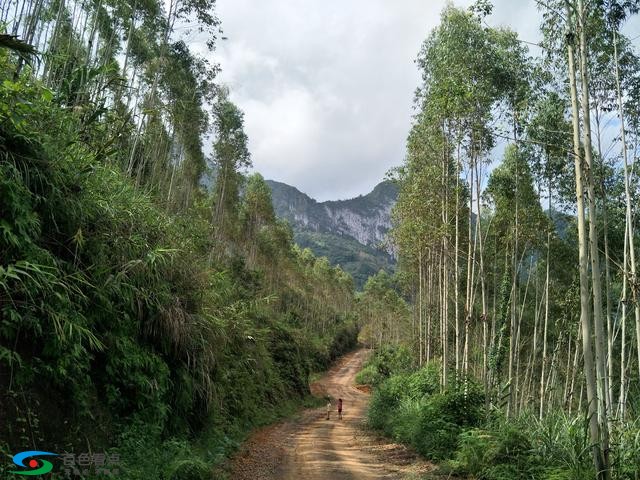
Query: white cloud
x,y
327,86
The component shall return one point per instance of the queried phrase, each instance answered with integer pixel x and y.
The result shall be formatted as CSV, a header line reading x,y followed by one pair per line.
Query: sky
x,y
327,85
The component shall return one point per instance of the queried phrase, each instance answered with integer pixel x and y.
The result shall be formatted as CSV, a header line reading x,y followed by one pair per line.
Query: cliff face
x,y
366,218
351,233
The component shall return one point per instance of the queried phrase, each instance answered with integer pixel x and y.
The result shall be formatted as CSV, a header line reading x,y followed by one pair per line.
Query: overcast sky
x,y
327,85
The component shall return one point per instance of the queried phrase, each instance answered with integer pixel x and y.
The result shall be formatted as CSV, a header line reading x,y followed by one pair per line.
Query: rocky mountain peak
x,y
352,233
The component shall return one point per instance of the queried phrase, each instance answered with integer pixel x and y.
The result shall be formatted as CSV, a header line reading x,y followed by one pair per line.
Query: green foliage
x,y
425,381
345,338
190,470
386,361
359,260
231,157
384,403
120,328
493,278
512,183
393,359
626,456
554,448
452,425
369,375
497,354
387,315
443,416
411,408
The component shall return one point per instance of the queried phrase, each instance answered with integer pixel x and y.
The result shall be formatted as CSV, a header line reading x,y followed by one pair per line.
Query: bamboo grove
x,y
517,218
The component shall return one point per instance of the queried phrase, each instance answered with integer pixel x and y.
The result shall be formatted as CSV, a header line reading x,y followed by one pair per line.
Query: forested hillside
x,y
142,316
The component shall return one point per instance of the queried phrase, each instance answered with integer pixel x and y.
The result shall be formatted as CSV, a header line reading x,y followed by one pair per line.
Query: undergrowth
x,y
451,426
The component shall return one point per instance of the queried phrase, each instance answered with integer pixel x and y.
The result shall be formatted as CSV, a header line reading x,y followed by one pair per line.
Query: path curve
x,y
312,447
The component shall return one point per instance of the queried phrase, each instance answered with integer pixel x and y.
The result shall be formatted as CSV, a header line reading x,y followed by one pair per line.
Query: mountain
x,y
350,233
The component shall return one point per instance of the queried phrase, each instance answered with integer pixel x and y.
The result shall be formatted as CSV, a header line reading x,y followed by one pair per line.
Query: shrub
x,y
192,469
369,375
403,425
499,455
385,362
514,448
393,359
476,449
385,401
436,432
552,449
406,407
626,453
425,381
345,339
560,442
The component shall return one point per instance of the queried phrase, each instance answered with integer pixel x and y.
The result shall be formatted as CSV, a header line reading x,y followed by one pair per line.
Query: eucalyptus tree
x,y
511,184
386,311
469,73
419,229
549,132
187,85
230,157
615,14
593,365
257,211
591,52
159,92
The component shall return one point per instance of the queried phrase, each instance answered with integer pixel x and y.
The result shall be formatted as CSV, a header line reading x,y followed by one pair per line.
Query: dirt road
x,y
312,447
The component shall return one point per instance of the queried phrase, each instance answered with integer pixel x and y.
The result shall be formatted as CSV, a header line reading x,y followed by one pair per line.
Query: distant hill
x,y
350,233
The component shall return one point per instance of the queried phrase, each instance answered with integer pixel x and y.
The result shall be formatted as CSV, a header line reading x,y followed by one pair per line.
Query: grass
x,y
451,427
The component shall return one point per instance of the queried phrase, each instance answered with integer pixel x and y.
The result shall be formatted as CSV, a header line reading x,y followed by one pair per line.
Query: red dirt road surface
x,y
312,447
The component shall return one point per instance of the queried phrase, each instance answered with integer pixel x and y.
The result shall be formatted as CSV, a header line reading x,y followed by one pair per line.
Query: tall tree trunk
x,y
574,371
445,272
514,303
623,328
427,340
627,195
585,305
601,376
420,305
546,312
567,376
472,277
469,279
456,298
483,289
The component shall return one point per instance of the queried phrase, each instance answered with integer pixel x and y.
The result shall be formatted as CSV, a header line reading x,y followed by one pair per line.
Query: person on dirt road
x,y
328,409
340,408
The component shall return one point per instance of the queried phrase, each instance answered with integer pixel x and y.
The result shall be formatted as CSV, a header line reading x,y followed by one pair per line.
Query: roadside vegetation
x,y
452,427
144,311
